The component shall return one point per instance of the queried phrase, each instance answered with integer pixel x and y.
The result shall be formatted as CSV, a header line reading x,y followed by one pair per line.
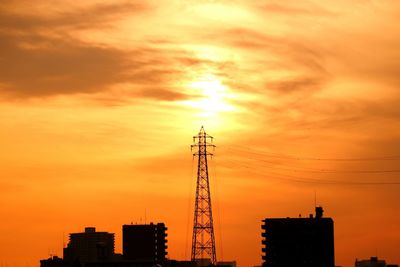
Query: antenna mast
x,y
203,242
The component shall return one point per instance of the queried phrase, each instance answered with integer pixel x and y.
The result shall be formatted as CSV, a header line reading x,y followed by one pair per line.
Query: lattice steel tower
x,y
203,242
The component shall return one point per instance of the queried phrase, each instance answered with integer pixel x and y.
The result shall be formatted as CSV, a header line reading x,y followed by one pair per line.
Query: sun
x,y
211,96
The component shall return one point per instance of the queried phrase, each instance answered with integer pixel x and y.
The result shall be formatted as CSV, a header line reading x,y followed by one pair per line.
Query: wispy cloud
x,y
294,8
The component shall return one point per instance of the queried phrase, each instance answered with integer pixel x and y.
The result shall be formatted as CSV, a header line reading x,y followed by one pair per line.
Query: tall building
x,y
300,242
144,242
89,246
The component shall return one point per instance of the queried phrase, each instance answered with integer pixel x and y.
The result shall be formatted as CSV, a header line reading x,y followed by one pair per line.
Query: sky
x,y
99,101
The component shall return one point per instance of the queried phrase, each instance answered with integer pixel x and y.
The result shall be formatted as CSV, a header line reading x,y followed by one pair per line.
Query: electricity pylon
x,y
203,241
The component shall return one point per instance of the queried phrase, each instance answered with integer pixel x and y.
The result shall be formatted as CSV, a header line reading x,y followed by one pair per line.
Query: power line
x,y
308,180
291,157
328,171
322,171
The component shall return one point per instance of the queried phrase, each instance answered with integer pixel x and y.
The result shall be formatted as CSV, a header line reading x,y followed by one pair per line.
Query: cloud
x,y
37,64
297,85
291,51
57,66
284,66
54,66
294,9
162,94
90,16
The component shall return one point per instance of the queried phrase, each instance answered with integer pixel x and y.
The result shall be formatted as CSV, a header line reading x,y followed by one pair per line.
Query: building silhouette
x,y
89,246
144,242
53,261
143,246
226,264
300,242
373,262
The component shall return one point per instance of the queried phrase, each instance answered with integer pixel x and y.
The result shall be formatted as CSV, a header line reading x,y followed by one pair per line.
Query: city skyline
x,y
99,101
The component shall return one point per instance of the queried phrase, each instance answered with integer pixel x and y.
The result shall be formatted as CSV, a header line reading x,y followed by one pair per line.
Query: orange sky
x,y
99,101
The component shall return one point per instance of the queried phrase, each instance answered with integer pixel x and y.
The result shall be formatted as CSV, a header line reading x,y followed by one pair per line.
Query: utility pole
x,y
203,241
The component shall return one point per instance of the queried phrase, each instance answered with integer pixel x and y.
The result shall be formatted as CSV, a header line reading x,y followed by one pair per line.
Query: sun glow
x,y
211,96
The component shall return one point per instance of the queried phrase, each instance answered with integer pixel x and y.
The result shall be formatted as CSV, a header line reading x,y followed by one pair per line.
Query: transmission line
x,y
292,178
291,157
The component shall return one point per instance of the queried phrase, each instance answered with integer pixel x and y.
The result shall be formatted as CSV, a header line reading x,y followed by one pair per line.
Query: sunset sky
x,y
99,101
